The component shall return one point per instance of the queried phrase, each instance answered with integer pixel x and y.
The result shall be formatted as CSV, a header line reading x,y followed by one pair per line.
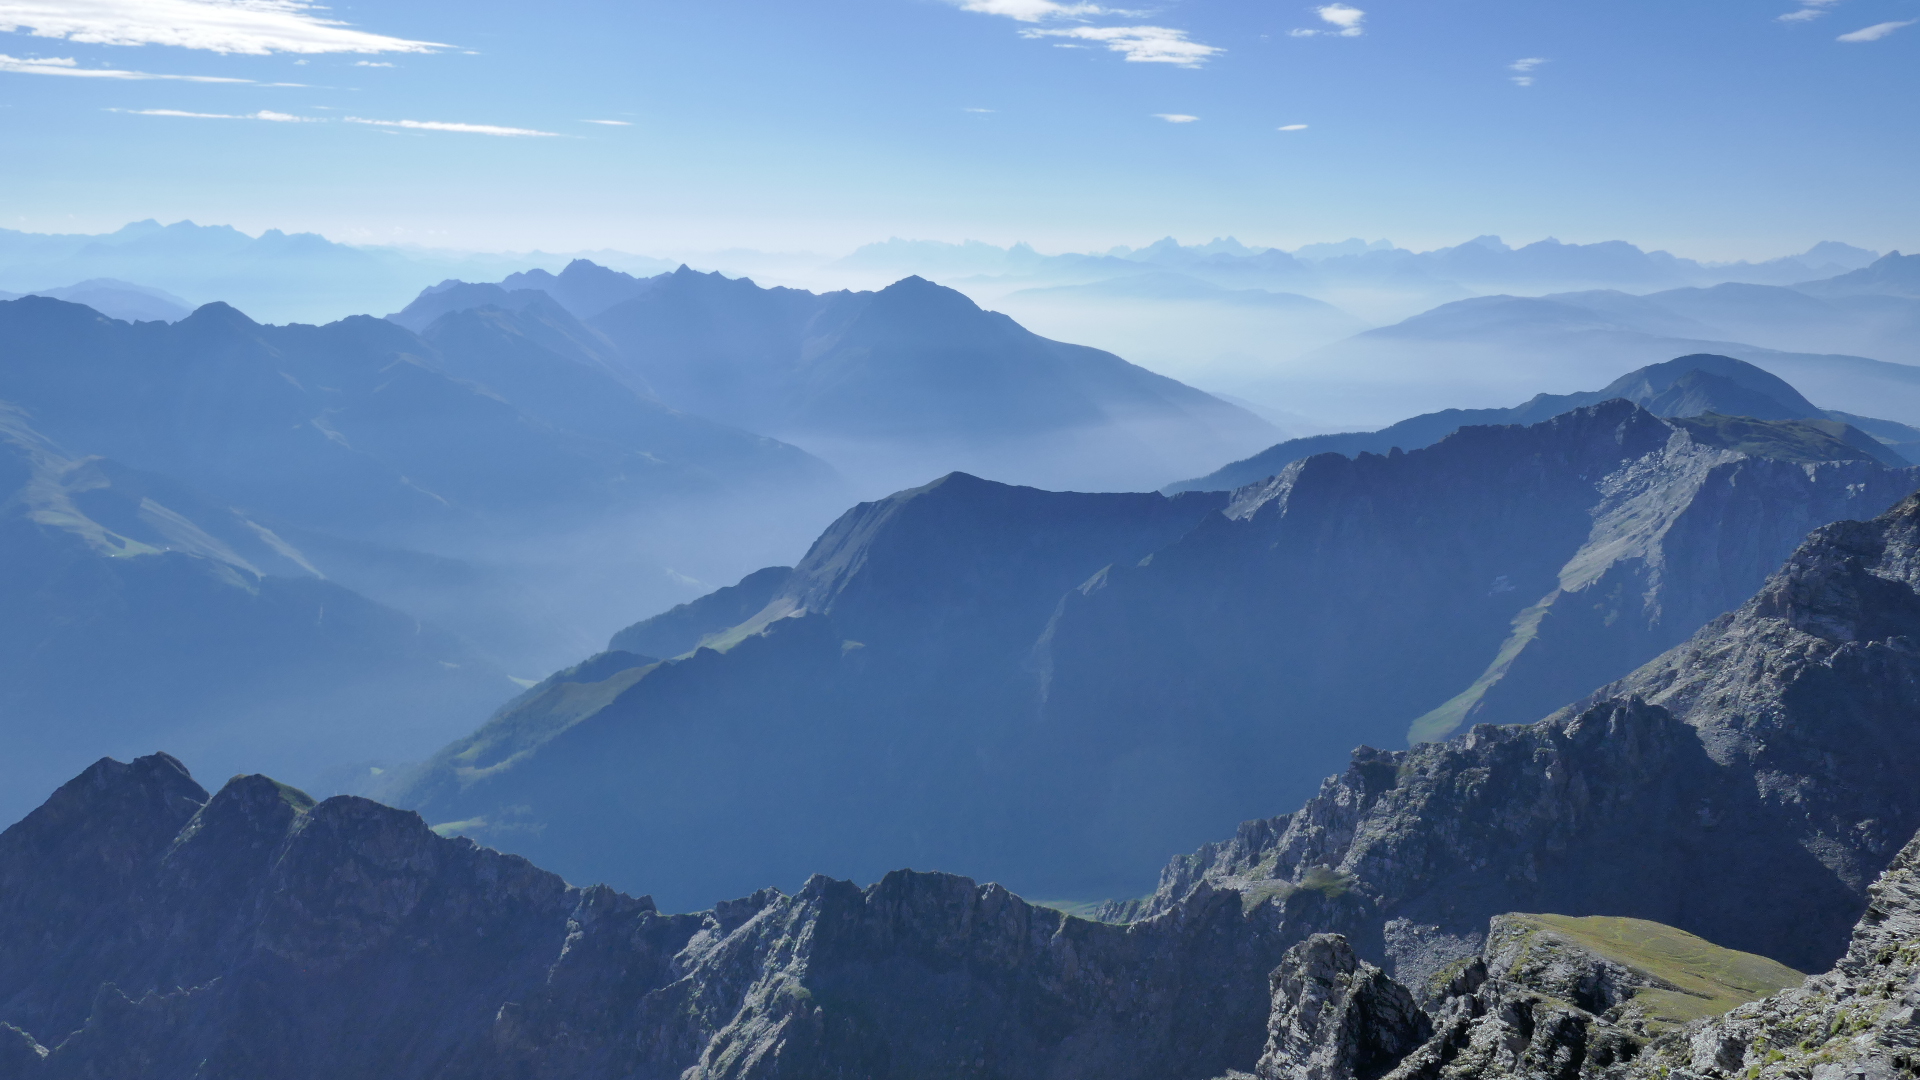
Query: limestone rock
x,y
1337,1017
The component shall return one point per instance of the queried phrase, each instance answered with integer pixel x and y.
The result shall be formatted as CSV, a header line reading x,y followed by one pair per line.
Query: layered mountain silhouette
x,y
1747,787
914,378
139,609
1849,352
496,441
1686,386
120,300
1048,687
1892,274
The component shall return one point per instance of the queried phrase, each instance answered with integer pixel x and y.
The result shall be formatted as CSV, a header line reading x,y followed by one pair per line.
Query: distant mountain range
x,y
1847,352
276,276
1481,264
1050,687
888,385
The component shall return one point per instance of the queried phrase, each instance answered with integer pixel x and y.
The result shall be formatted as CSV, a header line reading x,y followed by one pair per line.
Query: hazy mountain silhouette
x,y
500,442
275,276
122,300
1892,275
1487,350
139,609
1687,386
910,379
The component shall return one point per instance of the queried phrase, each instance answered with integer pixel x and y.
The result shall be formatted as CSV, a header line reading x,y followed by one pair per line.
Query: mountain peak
x,y
218,313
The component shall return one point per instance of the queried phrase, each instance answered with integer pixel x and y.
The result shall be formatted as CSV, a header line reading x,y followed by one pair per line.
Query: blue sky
x,y
1717,130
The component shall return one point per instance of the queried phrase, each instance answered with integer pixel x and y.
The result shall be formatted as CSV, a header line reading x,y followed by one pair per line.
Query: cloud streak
x,y
1524,67
1175,118
253,27
71,67
610,123
1139,44
1291,127
1875,32
1808,9
465,129
263,114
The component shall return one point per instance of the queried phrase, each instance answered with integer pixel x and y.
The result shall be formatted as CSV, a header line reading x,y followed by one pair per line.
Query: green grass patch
x,y
1711,979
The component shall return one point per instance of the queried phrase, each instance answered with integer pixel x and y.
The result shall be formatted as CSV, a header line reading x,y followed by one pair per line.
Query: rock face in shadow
x,y
151,930
1058,689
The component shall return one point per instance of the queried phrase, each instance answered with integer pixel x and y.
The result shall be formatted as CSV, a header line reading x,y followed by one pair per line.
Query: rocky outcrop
x,y
1540,1006
1337,1017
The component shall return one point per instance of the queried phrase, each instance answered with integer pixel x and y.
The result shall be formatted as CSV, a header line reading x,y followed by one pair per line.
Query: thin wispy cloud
x,y
466,129
254,27
1139,44
1175,118
263,114
1876,31
980,110
1034,10
1344,20
1291,127
610,123
1808,9
1523,67
371,63
71,67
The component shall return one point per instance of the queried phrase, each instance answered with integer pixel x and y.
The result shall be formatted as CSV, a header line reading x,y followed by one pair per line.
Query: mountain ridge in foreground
x,y
147,928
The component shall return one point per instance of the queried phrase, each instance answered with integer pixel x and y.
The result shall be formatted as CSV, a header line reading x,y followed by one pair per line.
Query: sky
x,y
1719,130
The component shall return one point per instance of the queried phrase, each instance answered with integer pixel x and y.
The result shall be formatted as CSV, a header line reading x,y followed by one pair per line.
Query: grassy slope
x,y
1712,979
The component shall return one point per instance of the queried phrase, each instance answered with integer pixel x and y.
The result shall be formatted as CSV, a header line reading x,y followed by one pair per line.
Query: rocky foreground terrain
x,y
1746,788
1609,999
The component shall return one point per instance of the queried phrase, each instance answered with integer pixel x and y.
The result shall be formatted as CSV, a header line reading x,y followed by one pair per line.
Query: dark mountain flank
x,y
1677,859
1056,689
139,609
884,685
